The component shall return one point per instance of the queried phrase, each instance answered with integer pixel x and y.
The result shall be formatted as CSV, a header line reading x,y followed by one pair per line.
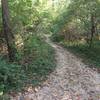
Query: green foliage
x,y
57,37
4,97
79,24
10,75
35,60
36,63
43,59
78,14
89,55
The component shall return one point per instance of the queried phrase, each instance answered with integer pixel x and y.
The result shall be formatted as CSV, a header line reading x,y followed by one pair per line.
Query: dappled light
x,y
49,49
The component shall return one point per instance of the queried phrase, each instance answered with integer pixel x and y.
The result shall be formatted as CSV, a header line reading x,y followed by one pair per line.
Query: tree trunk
x,y
7,31
92,29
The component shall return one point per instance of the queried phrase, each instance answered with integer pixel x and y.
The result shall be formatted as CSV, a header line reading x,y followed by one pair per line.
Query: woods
x,y
84,15
26,57
79,28
7,30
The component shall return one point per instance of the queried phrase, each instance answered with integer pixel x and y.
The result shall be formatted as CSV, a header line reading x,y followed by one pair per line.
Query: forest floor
x,y
71,80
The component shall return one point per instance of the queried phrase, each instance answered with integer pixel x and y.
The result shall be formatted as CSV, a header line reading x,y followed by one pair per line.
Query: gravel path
x,y
72,80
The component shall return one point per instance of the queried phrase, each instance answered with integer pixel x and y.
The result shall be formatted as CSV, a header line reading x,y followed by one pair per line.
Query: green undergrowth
x,y
89,55
43,61
36,63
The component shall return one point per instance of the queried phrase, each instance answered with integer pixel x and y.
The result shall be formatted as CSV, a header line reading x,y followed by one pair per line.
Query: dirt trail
x,y
72,80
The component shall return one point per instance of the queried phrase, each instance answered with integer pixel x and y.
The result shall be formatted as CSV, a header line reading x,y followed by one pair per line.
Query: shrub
x,y
42,61
57,37
10,75
36,63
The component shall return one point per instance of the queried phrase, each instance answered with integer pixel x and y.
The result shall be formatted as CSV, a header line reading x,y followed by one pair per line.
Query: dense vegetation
x,y
78,29
25,57
32,66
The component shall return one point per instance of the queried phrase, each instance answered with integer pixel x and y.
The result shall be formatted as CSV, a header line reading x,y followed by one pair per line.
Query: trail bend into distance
x,y
71,80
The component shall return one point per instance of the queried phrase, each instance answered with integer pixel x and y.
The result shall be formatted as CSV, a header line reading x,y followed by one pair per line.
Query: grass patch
x,y
89,55
36,62
43,61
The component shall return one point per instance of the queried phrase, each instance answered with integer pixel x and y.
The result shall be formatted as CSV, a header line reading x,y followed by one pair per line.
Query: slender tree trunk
x,y
92,29
7,31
